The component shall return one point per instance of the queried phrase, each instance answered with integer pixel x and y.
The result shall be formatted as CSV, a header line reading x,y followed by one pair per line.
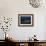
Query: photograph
x,y
25,19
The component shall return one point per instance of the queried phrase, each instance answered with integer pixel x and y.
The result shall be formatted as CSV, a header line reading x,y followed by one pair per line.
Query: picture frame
x,y
25,20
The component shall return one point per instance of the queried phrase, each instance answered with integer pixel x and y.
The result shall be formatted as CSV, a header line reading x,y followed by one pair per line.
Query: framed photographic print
x,y
25,20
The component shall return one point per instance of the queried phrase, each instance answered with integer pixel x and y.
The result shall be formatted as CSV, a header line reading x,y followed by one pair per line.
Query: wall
x,y
11,8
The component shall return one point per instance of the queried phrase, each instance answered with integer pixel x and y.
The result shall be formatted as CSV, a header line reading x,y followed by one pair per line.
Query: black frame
x,y
28,16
